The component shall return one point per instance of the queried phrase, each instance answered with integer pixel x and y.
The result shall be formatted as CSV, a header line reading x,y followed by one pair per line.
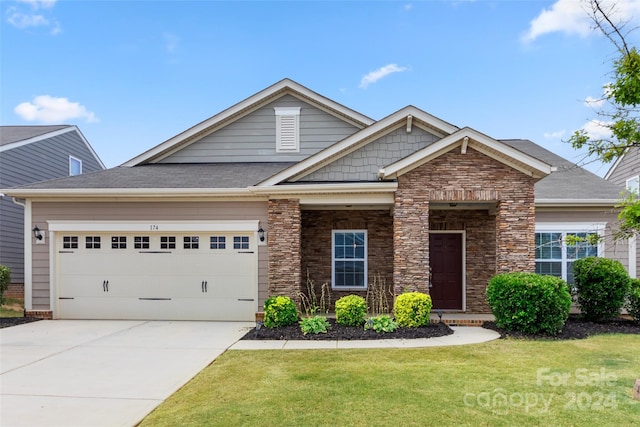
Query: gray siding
x,y
253,137
38,161
138,211
364,163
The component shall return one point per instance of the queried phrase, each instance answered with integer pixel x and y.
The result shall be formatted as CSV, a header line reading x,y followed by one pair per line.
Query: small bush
x,y
5,279
602,285
633,300
279,311
314,325
350,310
381,324
412,309
529,302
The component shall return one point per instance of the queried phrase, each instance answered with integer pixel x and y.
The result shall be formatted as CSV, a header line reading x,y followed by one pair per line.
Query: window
x,y
70,242
240,242
287,129
118,242
633,185
349,259
167,242
141,242
555,253
218,242
191,242
92,242
75,166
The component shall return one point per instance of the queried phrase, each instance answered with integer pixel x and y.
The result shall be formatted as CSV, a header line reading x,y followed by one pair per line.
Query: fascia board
x,y
329,188
248,103
173,226
95,155
615,165
126,192
573,203
48,135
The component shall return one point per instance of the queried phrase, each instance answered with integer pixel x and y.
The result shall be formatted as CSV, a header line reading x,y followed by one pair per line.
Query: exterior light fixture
x,y
37,233
261,234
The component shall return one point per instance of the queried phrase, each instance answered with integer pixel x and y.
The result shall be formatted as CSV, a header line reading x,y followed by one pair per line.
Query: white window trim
x,y
74,159
291,143
569,228
333,260
633,178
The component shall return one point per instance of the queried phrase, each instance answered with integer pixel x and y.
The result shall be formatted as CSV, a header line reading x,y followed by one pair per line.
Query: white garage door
x,y
165,275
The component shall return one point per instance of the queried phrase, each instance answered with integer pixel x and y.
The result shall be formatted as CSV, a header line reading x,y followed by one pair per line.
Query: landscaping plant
x,y
633,300
381,324
602,285
529,302
350,310
314,325
279,311
412,309
5,279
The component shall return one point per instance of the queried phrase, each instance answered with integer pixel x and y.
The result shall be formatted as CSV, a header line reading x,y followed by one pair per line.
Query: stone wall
x,y
284,247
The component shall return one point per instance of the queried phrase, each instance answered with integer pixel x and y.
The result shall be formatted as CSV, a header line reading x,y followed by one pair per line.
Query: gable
x,y
253,138
626,166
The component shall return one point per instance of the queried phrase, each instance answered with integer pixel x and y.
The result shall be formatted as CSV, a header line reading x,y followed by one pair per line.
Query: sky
x,y
132,74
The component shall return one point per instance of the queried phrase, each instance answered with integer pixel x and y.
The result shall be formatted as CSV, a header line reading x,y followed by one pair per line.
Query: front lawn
x,y
12,308
501,383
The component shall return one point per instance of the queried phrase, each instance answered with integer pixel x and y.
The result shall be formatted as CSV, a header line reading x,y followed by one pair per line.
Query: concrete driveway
x,y
101,373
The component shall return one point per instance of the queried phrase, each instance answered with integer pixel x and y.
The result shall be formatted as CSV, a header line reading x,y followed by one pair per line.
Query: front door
x,y
445,255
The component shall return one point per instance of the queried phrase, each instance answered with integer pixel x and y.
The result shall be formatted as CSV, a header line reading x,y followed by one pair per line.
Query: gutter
x,y
563,203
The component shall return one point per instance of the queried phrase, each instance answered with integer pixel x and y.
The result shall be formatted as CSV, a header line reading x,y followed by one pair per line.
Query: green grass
x,y
12,308
501,383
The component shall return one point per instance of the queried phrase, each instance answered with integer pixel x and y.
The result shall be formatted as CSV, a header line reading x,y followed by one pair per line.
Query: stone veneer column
x,y
284,248
515,234
411,239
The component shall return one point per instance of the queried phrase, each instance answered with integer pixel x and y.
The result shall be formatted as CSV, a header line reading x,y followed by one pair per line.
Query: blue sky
x,y
132,74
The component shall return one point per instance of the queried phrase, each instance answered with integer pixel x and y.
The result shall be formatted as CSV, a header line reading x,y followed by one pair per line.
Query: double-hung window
x,y
557,247
633,185
349,259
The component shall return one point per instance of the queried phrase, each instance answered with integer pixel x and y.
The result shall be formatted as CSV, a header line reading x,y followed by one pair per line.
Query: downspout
x,y
28,255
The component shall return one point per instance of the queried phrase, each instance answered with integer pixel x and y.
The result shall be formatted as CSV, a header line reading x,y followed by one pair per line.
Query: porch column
x,y
411,241
284,248
515,235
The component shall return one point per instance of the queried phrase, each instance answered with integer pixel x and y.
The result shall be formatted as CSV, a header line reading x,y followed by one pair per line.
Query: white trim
x,y
130,192
287,129
615,164
74,159
154,226
464,261
633,178
365,260
633,256
596,203
28,257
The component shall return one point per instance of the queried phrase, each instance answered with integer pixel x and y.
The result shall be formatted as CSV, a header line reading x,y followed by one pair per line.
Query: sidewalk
x,y
461,336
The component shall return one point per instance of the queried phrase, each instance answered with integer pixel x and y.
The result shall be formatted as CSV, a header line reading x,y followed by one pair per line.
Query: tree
x,y
621,111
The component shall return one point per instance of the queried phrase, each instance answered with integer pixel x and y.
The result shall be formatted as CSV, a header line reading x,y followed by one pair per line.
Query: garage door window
x,y
240,242
191,242
167,242
92,242
70,242
218,242
118,242
141,242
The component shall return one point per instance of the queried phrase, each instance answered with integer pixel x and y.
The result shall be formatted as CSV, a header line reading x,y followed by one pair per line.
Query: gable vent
x,y
287,129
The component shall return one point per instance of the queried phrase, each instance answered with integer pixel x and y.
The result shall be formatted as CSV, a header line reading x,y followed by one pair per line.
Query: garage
x,y
162,271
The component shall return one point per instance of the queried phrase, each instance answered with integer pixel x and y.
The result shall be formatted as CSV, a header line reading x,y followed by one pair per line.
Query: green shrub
x,y
633,300
279,311
529,302
314,325
602,285
350,310
381,324
5,279
412,309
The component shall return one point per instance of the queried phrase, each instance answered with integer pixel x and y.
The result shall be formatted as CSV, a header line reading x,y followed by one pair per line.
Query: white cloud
x,y
37,4
21,17
554,135
23,20
376,75
171,42
597,129
48,109
594,102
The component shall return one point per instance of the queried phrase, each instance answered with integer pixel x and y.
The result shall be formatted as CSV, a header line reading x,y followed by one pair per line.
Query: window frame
x,y
75,161
635,190
364,260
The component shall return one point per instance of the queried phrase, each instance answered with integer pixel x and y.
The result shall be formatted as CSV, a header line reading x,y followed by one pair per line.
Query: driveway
x,y
101,373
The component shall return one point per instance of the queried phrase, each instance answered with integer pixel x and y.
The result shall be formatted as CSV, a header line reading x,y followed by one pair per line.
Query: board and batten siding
x,y
253,137
363,164
25,164
138,211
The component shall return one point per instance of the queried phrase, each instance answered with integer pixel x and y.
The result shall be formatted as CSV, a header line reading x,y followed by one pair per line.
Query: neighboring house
x,y
29,154
288,184
625,173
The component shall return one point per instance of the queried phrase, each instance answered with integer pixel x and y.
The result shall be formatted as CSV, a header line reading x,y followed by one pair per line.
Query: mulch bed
x,y
576,328
5,322
346,333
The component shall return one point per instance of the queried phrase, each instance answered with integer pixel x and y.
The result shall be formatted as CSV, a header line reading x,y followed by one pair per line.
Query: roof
x,y
11,134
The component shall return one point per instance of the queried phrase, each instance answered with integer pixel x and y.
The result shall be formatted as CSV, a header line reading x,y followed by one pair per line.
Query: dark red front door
x,y
445,257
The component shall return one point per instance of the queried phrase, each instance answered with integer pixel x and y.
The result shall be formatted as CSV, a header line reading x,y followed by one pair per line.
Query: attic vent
x,y
287,129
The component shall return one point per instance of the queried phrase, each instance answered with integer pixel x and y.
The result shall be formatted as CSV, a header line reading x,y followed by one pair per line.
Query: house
x,y
625,172
289,184
29,154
